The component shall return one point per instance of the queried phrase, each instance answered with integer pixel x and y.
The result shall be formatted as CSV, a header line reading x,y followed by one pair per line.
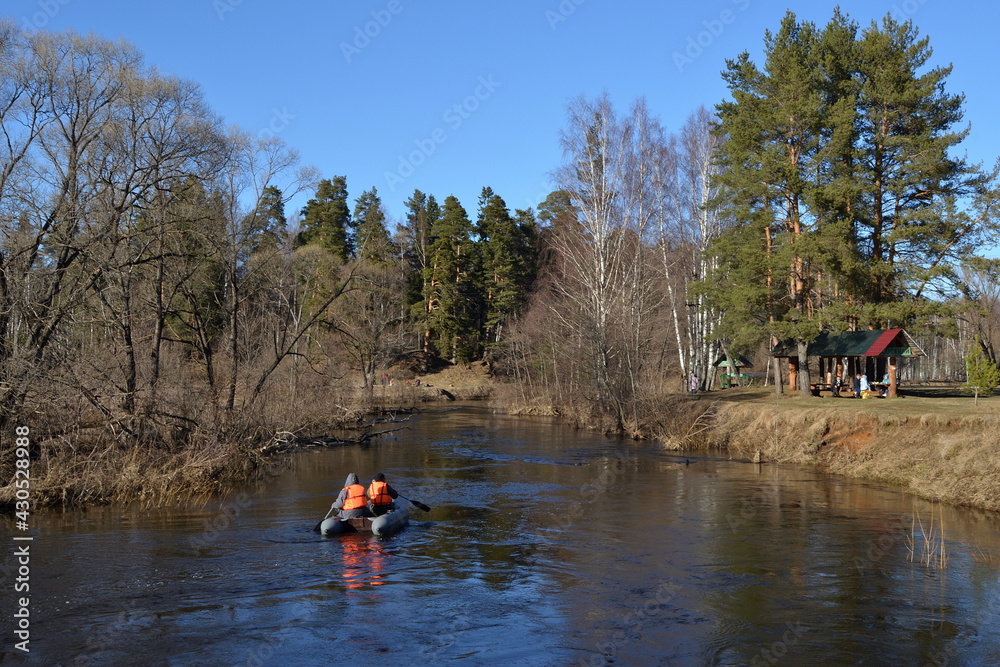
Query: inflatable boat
x,y
387,524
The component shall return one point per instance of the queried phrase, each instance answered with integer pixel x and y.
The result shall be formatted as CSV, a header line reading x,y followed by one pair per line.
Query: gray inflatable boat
x,y
387,524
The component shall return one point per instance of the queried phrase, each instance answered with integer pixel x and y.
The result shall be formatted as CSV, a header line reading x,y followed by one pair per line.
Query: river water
x,y
545,546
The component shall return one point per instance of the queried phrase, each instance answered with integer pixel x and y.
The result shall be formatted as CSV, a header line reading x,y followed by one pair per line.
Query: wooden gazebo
x,y
732,376
860,349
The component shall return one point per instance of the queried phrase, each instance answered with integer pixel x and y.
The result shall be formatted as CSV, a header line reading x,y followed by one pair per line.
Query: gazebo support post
x,y
793,374
892,378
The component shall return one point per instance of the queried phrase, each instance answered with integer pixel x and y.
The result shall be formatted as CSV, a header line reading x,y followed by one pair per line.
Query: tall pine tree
x,y
371,235
326,218
836,165
906,124
267,224
771,159
507,250
415,239
453,295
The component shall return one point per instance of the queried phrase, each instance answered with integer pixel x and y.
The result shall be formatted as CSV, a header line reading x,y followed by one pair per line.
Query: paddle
x,y
316,529
415,503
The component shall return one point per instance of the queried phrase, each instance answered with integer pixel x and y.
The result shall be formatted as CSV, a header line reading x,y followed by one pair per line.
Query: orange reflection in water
x,y
363,564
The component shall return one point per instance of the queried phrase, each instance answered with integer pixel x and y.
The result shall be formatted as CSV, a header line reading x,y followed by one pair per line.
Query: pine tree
x,y
906,122
267,225
415,239
837,153
983,376
508,261
557,210
372,237
453,296
772,158
326,219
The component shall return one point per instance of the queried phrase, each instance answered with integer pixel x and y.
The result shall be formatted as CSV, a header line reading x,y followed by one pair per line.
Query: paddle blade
x,y
419,505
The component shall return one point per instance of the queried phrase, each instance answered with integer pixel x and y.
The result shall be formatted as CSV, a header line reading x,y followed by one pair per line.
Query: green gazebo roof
x,y
739,362
875,343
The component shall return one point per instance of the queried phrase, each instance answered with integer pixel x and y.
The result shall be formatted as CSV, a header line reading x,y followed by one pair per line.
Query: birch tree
x,y
687,222
609,177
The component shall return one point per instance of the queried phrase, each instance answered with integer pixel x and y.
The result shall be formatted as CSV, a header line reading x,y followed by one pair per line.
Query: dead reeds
x,y
932,551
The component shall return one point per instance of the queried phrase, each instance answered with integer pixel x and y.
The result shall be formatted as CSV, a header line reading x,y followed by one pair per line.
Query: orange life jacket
x,y
379,494
355,499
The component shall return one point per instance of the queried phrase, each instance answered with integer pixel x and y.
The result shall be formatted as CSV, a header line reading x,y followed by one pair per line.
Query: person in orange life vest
x,y
351,501
380,495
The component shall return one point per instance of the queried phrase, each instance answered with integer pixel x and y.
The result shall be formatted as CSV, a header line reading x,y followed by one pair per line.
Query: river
x,y
545,546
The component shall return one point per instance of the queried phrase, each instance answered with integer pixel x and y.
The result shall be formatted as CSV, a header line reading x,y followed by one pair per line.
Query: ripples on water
x,y
545,546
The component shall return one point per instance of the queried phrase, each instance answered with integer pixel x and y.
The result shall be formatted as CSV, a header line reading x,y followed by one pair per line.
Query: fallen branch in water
x,y
285,441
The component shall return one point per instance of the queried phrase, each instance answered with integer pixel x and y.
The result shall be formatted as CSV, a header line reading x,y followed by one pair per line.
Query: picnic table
x,y
817,387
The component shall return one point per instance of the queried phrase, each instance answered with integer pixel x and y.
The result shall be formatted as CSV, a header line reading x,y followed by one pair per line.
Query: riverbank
x,y
936,444
73,464
938,447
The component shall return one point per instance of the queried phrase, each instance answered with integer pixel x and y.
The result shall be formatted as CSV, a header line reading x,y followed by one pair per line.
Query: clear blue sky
x,y
355,104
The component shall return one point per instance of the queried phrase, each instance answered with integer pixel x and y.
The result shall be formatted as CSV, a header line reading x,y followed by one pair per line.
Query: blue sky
x,y
452,96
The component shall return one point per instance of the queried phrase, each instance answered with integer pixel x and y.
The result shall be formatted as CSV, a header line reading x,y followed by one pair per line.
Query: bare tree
x,y
982,306
609,175
686,226
63,107
252,165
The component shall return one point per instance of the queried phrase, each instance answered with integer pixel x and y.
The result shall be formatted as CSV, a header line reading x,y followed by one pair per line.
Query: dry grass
x,y
940,448
934,443
109,472
186,452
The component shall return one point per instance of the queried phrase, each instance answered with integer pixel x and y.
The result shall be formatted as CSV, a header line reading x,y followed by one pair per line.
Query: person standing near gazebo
x,y
693,383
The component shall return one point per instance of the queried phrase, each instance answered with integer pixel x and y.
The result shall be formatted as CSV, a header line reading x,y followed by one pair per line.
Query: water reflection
x,y
545,546
363,561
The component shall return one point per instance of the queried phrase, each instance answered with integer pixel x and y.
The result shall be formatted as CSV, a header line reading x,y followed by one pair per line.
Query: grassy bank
x,y
76,460
936,445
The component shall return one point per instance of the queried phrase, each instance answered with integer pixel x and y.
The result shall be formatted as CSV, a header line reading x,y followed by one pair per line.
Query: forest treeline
x,y
157,297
